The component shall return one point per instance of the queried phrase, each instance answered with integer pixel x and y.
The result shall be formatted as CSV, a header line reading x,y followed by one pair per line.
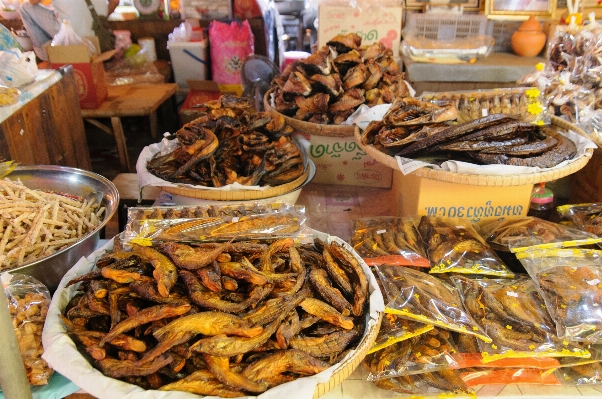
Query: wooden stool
x,y
129,196
129,100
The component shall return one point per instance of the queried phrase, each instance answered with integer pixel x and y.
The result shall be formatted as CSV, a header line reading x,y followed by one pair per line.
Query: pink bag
x,y
230,45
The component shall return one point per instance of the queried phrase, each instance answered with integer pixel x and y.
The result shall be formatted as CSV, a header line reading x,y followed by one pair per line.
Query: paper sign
x,y
373,24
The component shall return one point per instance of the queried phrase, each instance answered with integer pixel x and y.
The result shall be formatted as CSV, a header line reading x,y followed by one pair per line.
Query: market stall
x,y
254,273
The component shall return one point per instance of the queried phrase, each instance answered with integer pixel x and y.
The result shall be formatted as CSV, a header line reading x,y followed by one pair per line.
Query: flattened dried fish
x,y
191,258
326,312
210,323
321,283
126,368
220,367
336,273
288,329
361,290
292,361
327,345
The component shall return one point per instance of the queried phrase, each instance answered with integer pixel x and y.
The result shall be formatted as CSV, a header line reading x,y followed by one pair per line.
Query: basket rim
x,y
309,127
572,166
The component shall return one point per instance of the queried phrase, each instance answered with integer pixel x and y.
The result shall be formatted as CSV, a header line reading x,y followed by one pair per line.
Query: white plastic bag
x,y
17,68
67,37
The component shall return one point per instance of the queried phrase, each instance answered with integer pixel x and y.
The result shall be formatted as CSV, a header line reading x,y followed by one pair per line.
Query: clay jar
x,y
528,40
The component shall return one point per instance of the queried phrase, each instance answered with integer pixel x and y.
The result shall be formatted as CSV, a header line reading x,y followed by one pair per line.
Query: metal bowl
x,y
50,269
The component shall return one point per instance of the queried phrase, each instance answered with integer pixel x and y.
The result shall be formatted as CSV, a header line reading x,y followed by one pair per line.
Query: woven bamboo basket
x,y
308,127
238,195
487,180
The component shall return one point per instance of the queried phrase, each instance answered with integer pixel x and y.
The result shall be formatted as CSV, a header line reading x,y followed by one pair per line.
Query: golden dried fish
x,y
361,289
229,283
326,312
411,111
211,277
332,83
207,299
123,368
291,361
297,83
144,316
288,329
148,290
327,345
220,367
203,382
318,62
242,271
165,271
210,323
191,258
230,346
315,103
321,283
266,312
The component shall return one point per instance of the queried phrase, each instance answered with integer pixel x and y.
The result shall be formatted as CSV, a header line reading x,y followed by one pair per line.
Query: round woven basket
x,y
308,127
486,180
237,195
345,369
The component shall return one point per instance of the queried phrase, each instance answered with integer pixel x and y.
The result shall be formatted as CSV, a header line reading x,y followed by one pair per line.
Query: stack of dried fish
x,y
333,82
414,128
229,143
231,320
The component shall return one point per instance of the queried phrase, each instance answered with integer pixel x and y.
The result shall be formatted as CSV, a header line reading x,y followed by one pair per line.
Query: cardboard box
x,y
414,195
339,160
188,61
89,72
586,185
373,24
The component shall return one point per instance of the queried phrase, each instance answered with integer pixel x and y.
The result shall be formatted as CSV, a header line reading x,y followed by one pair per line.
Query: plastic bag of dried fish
x,y
508,376
518,234
587,217
291,223
584,374
394,329
390,240
425,353
443,383
453,245
570,282
28,301
514,316
567,100
419,296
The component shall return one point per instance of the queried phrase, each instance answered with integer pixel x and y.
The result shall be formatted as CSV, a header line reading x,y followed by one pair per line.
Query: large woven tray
x,y
487,180
308,127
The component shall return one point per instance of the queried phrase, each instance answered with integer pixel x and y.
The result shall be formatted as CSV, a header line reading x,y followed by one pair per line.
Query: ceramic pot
x,y
529,39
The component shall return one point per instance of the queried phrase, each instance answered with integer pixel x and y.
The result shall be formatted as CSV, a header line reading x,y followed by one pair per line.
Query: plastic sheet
x,y
587,217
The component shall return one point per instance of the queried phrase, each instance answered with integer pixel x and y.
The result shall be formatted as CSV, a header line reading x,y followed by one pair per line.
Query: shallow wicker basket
x,y
308,127
237,195
485,180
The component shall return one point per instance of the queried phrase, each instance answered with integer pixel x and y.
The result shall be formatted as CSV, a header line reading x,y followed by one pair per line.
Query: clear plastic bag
x,y
216,223
425,353
443,383
508,376
66,36
453,245
389,240
514,316
518,233
570,282
419,296
587,217
28,301
583,374
16,69
395,329
567,100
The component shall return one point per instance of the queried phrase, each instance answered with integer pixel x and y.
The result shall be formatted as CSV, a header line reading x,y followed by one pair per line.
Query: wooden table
x,y
129,100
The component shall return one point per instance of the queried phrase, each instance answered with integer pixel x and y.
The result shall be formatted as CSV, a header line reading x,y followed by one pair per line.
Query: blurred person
x,y
42,20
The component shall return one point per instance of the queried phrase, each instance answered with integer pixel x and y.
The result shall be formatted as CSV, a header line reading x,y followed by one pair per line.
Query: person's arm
x,y
112,5
36,2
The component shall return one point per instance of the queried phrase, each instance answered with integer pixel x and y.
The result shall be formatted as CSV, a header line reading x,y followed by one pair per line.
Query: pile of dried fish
x,y
587,217
232,320
413,128
333,82
229,143
390,240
